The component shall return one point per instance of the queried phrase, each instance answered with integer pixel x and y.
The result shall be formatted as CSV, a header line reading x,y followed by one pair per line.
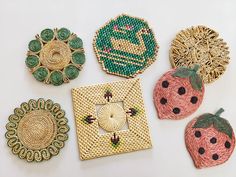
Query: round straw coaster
x,y
209,139
200,45
125,46
55,56
178,93
37,130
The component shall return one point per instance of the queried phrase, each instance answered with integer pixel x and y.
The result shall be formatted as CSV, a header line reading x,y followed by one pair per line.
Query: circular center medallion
x,y
111,117
55,55
37,129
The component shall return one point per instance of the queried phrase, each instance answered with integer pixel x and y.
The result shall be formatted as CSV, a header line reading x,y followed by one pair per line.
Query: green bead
x,y
35,45
40,74
56,78
63,34
47,35
76,43
32,61
71,72
78,58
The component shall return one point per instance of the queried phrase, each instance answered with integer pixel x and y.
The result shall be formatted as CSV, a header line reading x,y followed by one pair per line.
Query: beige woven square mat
x,y
93,143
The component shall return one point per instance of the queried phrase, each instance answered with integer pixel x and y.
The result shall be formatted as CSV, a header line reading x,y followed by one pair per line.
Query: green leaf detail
x,y
183,72
204,121
196,81
223,126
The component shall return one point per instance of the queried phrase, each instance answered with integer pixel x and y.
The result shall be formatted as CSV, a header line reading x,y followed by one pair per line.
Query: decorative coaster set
x,y
110,118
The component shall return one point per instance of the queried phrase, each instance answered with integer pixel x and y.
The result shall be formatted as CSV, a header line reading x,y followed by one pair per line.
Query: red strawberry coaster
x,y
178,93
209,139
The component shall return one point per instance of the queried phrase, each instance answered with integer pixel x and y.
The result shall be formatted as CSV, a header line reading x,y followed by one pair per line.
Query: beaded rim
x,y
149,62
55,56
47,149
92,143
200,45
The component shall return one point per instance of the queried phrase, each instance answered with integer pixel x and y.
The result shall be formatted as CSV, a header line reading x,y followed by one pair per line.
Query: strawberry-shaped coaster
x,y
209,139
178,93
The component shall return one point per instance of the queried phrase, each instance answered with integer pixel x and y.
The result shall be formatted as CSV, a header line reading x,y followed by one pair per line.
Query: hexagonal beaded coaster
x,y
55,56
37,130
200,45
108,107
125,46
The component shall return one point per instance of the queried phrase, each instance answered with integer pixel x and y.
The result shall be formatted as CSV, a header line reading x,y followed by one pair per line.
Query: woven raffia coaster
x,y
209,139
200,45
98,108
178,93
37,130
55,56
125,46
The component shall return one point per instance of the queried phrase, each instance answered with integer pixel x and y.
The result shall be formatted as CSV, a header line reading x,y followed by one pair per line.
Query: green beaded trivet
x,y
55,56
125,46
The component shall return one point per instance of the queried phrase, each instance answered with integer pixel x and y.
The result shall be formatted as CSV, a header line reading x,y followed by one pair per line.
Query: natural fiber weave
x,y
175,98
125,46
55,56
210,140
37,130
93,144
200,45
111,117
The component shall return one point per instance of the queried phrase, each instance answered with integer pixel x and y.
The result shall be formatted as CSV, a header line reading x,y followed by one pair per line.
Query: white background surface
x,y
20,20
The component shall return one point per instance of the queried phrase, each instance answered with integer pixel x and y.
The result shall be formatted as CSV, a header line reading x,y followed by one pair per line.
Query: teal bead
x,y
40,74
32,61
76,43
78,58
63,34
71,72
35,45
47,35
56,78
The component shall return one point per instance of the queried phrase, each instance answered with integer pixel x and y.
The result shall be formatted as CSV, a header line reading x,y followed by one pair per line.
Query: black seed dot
x,y
176,110
213,140
181,91
194,99
215,157
163,101
165,84
201,150
198,134
227,144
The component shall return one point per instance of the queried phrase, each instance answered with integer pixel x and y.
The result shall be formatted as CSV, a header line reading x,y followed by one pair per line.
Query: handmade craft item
x,y
209,139
55,56
37,130
200,45
125,46
101,113
178,93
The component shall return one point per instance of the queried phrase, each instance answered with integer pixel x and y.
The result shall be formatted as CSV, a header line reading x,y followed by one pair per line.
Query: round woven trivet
x,y
55,56
200,45
37,130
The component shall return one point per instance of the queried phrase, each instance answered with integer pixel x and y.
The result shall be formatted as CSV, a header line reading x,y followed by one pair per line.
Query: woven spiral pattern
x,y
111,117
200,45
37,130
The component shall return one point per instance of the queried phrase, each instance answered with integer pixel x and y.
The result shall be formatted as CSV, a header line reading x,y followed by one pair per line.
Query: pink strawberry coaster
x,y
178,93
209,139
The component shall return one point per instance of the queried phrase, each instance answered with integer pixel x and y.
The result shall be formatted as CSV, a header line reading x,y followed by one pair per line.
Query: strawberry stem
x,y
196,67
218,113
